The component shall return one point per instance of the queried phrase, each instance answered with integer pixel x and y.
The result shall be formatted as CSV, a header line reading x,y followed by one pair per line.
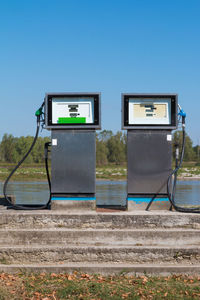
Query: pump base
x,y
60,203
137,203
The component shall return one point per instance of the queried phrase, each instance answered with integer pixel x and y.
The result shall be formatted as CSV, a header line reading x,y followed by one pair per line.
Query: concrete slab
x,y
155,242
142,205
104,268
92,219
73,205
100,237
111,254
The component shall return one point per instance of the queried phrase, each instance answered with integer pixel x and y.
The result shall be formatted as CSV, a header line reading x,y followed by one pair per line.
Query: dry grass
x,y
87,287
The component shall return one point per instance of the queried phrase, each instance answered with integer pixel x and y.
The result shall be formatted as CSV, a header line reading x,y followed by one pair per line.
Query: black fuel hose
x,y
171,195
46,151
24,207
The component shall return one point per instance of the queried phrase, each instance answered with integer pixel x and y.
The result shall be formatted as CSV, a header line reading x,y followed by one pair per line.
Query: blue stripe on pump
x,y
73,198
146,200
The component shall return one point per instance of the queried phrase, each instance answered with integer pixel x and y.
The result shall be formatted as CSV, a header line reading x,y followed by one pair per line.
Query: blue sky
x,y
97,46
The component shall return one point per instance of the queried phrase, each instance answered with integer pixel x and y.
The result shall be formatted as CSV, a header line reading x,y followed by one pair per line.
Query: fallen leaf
x,y
54,275
85,276
126,295
37,294
8,283
145,280
191,281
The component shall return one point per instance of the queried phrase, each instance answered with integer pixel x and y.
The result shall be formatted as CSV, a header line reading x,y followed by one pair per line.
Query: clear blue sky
x,y
97,46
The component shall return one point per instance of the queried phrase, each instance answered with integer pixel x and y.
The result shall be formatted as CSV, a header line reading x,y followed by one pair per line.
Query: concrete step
x,y
105,268
135,242
92,219
92,254
123,237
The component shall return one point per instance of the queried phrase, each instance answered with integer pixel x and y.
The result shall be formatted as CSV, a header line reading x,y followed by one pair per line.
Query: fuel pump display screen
x,y
72,111
149,111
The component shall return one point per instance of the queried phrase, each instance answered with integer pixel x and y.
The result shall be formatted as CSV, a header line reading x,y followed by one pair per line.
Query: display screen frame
x,y
125,111
48,111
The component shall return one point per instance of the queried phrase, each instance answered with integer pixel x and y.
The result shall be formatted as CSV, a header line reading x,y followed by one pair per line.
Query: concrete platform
x,y
99,254
73,205
92,219
105,269
100,237
134,242
142,203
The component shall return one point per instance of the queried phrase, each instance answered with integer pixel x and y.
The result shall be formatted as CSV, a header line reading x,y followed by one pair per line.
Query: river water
x,y
188,192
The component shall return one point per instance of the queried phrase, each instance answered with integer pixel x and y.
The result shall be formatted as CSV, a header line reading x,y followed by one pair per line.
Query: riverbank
x,y
111,172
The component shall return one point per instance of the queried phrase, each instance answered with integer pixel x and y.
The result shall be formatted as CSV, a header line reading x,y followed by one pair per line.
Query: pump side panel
x,y
149,161
73,162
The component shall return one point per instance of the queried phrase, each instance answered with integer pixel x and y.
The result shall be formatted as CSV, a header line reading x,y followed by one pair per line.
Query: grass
x,y
24,173
190,171
111,172
108,172
28,173
87,287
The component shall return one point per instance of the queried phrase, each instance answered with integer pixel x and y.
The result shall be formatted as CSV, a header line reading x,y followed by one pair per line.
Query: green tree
x,y
7,148
101,153
101,146
197,152
22,146
105,135
13,149
189,153
38,151
117,148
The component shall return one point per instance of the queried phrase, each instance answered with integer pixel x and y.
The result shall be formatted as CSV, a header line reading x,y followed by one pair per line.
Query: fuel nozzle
x,y
39,112
182,114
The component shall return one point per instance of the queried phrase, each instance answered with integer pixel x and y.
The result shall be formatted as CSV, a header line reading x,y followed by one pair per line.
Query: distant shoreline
x,y
37,173
97,179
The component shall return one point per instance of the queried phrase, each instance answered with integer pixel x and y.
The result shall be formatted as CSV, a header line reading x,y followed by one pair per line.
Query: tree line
x,y
110,148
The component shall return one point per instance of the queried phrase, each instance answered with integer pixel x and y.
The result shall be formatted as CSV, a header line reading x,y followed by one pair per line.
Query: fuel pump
x,y
72,119
149,120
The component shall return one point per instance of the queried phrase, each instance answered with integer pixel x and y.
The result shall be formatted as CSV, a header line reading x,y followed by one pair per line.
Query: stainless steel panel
x,y
149,161
73,162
